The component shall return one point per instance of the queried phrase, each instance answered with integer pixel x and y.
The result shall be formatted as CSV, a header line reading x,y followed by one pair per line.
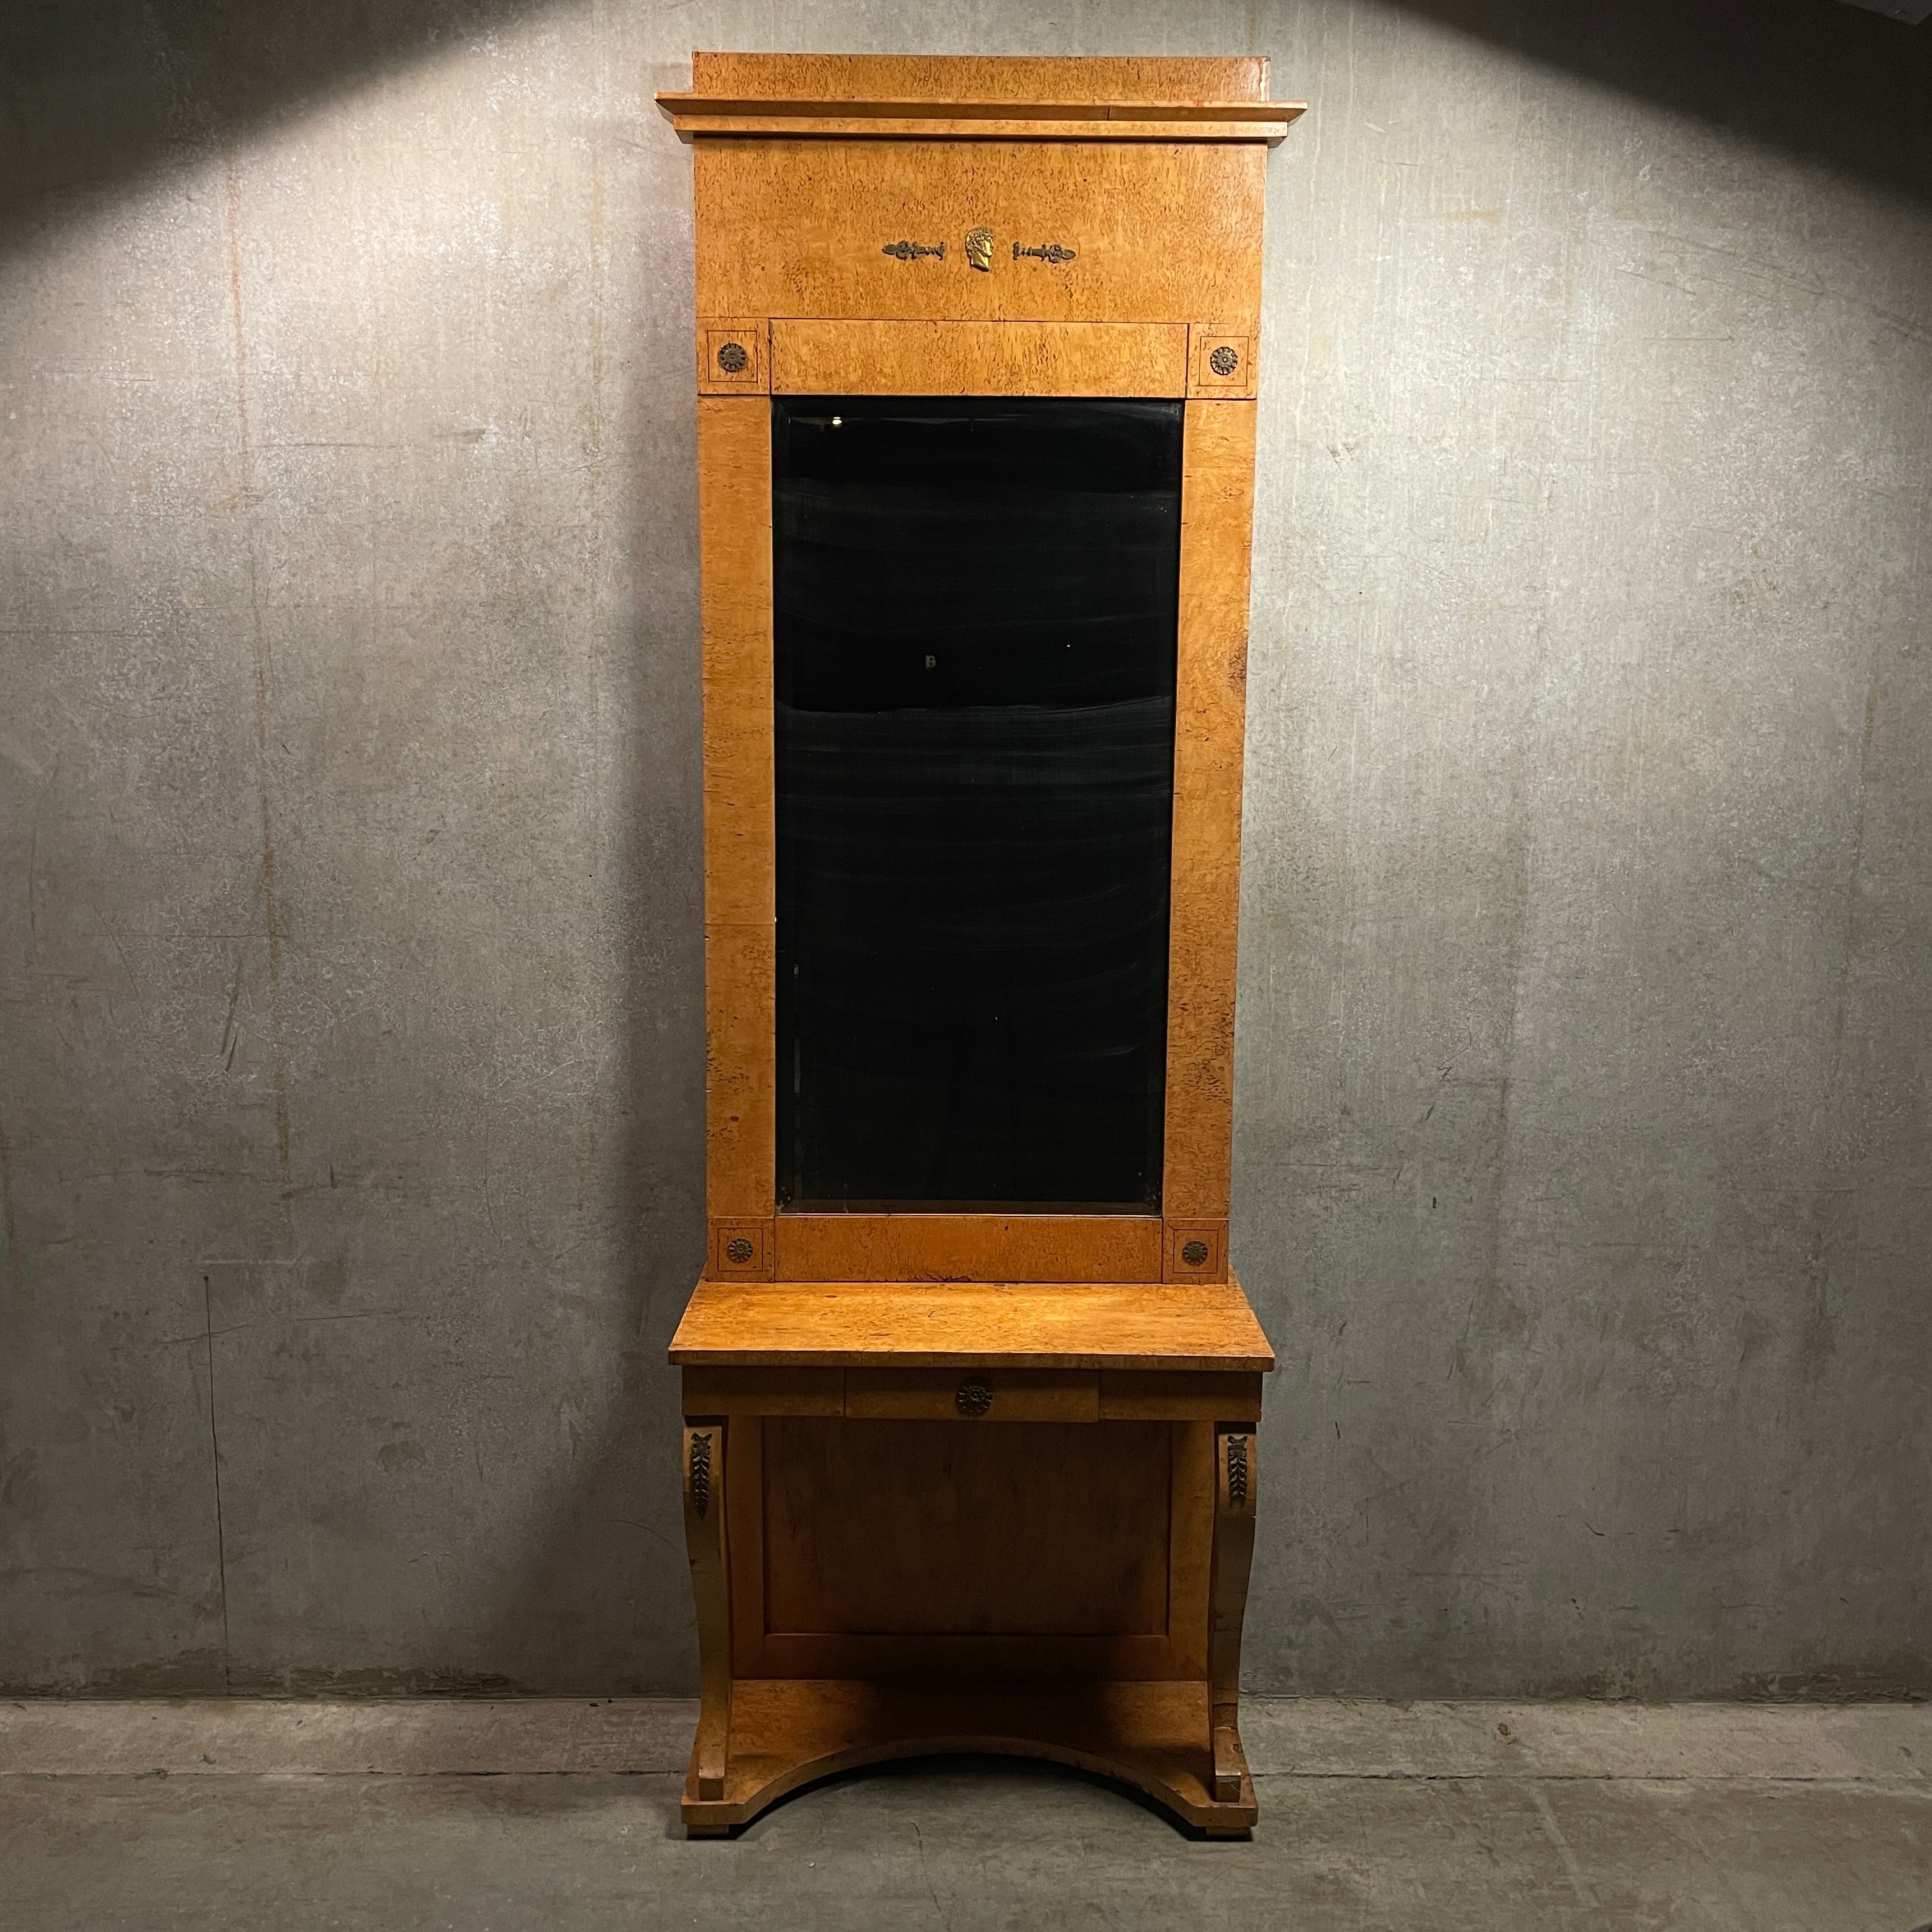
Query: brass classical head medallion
x,y
979,250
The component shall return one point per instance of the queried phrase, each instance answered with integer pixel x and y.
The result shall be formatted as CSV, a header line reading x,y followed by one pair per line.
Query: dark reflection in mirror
x,y
975,608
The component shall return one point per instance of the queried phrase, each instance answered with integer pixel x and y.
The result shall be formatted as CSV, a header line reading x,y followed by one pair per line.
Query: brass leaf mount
x,y
701,1471
1051,251
910,251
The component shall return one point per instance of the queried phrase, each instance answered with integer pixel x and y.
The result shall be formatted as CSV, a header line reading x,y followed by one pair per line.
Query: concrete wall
x,y
350,1104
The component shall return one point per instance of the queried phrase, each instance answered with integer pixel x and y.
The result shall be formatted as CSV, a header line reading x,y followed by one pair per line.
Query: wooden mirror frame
x,y
843,207
797,296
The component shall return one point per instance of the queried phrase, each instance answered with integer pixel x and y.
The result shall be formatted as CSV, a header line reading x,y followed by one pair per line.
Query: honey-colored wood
x,y
965,120
967,1324
734,547
738,1390
1118,1395
996,1657
903,1528
741,989
1216,531
968,1247
1236,1471
734,512
741,1250
977,1397
807,1531
950,1516
1178,1395
1161,233
979,358
992,1474
1221,362
1192,1250
1125,1503
746,1503
1190,1546
1166,80
704,1536
722,341
1150,1735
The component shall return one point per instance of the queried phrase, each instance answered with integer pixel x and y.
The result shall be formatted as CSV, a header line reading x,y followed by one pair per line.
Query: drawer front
x,y
1179,1396
763,1391
974,1395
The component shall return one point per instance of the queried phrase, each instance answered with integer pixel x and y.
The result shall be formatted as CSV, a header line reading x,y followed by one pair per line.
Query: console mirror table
x,y
970,1391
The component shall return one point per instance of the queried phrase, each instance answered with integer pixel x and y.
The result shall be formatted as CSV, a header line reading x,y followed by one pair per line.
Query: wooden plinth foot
x,y
786,1732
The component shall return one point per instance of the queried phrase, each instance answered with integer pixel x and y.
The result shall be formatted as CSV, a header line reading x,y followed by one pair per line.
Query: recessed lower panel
x,y
912,1528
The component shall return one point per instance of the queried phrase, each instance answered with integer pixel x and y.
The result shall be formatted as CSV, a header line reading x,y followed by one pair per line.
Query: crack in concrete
x,y
258,638
215,1457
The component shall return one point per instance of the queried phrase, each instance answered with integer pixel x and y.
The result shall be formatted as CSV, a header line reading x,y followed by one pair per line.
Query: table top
x,y
959,1324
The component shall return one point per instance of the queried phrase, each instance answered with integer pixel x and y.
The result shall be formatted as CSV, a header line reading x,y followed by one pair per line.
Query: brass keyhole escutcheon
x,y
1194,1253
975,1396
1224,361
732,357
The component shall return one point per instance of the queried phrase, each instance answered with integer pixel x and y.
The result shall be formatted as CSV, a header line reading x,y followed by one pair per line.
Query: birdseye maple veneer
x,y
970,1392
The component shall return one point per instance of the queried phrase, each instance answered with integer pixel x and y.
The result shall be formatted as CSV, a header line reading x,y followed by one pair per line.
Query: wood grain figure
x,y
1217,527
734,512
979,358
991,1472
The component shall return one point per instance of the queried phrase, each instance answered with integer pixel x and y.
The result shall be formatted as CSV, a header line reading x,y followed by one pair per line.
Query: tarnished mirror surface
x,y
976,603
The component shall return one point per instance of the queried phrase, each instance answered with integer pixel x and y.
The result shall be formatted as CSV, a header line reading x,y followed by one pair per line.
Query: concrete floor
x,y
494,1817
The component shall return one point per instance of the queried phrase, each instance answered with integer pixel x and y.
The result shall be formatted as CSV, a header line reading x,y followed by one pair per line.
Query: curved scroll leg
x,y
704,1472
1236,1467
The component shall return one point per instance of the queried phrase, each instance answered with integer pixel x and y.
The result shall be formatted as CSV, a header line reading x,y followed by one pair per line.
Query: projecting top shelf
x,y
1262,120
931,97
956,1324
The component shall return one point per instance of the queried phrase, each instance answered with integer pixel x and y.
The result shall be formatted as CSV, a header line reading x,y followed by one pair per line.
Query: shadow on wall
x,y
93,93
98,93
586,1587
1818,79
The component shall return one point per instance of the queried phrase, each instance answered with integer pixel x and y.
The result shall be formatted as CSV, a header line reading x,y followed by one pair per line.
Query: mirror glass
x,y
976,607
